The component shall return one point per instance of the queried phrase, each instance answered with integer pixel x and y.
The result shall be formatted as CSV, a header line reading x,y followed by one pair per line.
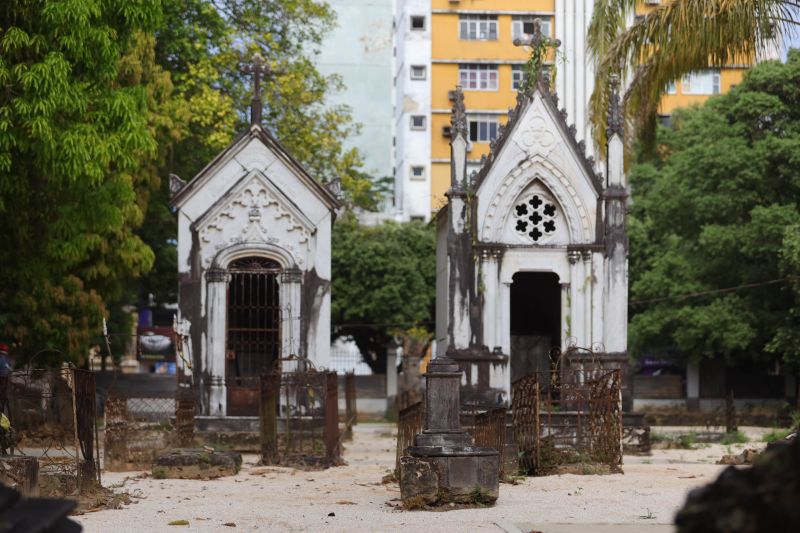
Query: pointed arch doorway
x,y
253,336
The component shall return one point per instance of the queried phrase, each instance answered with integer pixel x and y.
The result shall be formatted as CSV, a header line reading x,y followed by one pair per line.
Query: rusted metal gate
x,y
300,418
490,432
568,419
410,421
54,419
253,340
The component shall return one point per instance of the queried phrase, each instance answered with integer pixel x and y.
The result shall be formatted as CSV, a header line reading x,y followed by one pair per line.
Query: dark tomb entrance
x,y
254,331
535,321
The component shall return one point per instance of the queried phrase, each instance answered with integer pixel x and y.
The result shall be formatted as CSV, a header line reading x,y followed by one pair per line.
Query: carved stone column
x,y
586,283
214,359
574,330
291,321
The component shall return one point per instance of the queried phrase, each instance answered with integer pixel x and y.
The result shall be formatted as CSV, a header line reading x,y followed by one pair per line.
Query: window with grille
x,y
522,26
478,27
483,128
517,75
477,77
418,72
703,82
417,122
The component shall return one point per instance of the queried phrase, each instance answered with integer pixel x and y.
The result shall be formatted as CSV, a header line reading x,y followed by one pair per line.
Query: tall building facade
x,y
412,109
471,43
359,50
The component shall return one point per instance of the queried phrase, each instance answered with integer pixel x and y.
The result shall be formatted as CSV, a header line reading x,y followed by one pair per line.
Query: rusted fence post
x,y
730,413
331,418
270,389
184,416
351,413
85,416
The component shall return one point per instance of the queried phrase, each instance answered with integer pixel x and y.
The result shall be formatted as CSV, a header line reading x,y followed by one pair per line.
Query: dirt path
x,y
282,499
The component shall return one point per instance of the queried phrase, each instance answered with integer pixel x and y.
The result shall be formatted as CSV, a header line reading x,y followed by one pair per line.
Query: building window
x,y
483,128
418,22
417,172
517,75
671,88
417,122
704,82
522,26
477,77
478,27
418,72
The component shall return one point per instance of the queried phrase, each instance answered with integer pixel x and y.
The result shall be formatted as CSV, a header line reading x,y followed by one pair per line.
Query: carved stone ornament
x,y
175,184
535,217
292,275
616,122
458,120
217,275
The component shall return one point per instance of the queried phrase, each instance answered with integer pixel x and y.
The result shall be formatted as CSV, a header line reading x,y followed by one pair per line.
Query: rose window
x,y
535,217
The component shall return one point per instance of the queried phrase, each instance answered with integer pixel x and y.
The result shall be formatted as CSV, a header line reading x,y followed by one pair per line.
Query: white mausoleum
x,y
532,250
254,264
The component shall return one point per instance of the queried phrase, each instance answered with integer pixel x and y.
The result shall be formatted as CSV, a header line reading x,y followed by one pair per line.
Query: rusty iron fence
x,y
137,430
350,408
490,432
184,416
53,418
410,421
299,413
568,420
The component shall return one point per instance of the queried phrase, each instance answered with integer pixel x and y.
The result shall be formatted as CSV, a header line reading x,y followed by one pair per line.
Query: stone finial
x,y
458,120
258,68
616,122
175,184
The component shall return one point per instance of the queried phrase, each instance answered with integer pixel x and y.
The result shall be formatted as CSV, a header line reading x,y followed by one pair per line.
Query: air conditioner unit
x,y
446,131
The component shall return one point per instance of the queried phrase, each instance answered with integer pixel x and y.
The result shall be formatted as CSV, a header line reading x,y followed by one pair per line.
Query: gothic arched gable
x,y
537,146
502,216
255,212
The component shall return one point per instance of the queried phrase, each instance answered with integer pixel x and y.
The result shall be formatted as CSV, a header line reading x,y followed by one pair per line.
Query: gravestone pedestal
x,y
444,465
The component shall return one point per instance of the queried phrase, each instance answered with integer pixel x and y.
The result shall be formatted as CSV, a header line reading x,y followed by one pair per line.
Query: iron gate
x,y
254,330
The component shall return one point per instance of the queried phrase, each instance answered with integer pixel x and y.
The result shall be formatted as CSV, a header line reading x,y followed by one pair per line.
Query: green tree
x,y
676,38
383,284
81,104
715,217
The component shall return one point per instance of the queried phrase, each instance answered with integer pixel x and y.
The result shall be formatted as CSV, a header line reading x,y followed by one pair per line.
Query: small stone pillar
x,y
444,465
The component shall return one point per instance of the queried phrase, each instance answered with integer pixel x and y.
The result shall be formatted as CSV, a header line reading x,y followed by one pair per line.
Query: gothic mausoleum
x,y
254,264
531,249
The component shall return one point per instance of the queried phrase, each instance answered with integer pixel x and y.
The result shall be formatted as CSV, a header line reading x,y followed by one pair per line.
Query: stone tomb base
x,y
430,477
196,463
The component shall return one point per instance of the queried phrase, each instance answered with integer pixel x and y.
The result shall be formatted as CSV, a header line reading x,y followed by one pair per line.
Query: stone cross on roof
x,y
258,68
539,44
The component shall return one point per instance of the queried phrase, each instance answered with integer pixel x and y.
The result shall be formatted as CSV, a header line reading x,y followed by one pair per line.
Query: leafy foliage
x,y
673,39
383,283
718,210
81,103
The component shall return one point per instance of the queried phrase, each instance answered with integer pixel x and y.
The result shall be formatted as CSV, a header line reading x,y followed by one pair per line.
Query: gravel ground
x,y
645,497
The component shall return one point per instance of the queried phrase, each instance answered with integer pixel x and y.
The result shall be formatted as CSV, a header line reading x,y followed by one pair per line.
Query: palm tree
x,y
674,39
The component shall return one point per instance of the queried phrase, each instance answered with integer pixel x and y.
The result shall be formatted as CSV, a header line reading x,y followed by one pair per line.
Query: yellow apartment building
x,y
471,43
